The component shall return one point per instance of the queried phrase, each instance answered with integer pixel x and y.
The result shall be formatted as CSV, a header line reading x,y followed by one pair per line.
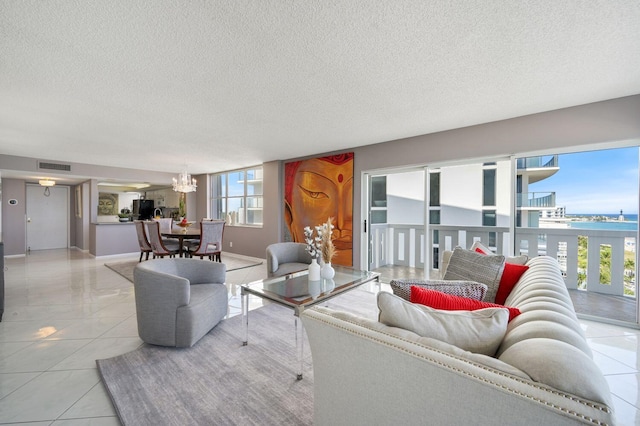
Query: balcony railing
x,y
537,200
537,162
405,245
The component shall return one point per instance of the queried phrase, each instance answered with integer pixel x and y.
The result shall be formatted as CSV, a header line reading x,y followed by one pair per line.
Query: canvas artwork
x,y
315,190
107,204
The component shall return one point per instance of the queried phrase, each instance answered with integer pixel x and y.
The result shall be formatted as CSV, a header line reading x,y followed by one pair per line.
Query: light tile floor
x,y
64,309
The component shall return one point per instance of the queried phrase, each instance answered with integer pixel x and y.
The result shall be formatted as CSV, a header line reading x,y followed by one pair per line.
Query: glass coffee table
x,y
298,293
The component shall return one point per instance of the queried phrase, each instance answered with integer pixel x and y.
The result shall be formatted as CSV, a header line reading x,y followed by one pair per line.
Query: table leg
x,y
299,346
245,316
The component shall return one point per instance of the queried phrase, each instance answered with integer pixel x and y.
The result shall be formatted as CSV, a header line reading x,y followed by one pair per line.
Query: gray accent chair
x,y
285,258
178,301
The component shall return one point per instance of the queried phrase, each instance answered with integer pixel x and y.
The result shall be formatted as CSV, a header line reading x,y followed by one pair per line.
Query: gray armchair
x,y
179,300
285,258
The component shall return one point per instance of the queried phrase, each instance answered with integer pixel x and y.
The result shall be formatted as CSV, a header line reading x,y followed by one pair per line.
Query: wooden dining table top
x,y
177,232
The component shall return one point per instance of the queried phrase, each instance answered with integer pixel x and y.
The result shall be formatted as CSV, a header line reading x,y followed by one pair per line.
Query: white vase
x,y
314,271
327,272
328,286
315,288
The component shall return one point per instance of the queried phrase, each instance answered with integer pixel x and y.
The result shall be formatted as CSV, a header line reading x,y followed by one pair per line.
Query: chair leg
x,y
147,257
140,260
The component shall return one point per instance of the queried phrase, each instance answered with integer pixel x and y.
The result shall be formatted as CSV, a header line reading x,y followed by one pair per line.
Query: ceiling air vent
x,y
54,166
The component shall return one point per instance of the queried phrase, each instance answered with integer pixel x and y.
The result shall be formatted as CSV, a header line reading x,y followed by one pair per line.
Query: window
x,y
379,199
237,196
434,190
489,218
489,186
434,217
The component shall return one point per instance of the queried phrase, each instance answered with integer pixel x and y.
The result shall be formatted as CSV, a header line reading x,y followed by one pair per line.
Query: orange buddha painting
x,y
318,189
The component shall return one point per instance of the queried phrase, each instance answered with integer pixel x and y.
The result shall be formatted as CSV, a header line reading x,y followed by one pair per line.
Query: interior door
x,y
47,217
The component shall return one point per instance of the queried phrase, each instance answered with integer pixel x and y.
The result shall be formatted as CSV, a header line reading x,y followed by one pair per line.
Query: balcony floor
x,y
616,308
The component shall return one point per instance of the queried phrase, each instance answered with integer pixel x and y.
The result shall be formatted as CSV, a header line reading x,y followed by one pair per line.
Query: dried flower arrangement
x,y
320,245
314,244
328,249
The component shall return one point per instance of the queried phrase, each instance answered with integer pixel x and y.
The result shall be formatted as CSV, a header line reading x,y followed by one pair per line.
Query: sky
x,y
595,182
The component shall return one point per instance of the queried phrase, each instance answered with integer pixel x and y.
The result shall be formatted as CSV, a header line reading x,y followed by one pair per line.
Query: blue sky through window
x,y
595,182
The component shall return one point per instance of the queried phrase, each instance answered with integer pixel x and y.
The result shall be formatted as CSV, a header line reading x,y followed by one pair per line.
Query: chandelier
x,y
184,183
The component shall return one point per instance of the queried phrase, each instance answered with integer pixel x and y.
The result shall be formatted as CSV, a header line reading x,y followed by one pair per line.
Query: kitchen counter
x,y
108,238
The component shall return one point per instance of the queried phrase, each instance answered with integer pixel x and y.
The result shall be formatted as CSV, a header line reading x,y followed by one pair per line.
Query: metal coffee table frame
x,y
298,293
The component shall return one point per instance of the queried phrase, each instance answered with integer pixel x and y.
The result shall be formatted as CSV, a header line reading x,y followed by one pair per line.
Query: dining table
x,y
182,234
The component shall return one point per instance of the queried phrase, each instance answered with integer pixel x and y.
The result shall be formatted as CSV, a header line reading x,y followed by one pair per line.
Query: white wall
x,y
504,193
405,198
461,195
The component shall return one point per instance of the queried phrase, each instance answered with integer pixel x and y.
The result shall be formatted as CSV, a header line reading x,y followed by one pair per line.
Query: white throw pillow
x,y
479,331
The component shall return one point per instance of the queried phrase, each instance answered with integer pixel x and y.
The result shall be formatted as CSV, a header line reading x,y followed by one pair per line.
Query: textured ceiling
x,y
217,85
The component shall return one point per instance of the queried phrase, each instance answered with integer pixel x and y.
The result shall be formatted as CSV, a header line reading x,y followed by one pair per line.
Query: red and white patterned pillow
x,y
469,289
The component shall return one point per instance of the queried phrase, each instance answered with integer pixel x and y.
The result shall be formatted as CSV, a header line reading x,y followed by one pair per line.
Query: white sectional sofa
x,y
368,373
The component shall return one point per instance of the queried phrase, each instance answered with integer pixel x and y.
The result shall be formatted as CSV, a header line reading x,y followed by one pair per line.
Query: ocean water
x,y
630,223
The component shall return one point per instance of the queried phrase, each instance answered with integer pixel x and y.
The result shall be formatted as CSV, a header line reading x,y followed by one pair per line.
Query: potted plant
x,y
124,215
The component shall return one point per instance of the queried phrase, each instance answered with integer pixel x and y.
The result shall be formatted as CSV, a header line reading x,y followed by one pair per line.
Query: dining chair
x,y
143,240
210,243
166,226
160,248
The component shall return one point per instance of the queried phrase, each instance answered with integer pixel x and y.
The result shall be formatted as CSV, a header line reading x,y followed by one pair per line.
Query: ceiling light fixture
x,y
47,183
184,183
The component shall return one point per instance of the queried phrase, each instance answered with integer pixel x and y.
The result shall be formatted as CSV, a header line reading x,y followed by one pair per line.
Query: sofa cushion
x,y
561,366
438,300
470,289
478,331
547,329
512,272
467,265
518,260
510,276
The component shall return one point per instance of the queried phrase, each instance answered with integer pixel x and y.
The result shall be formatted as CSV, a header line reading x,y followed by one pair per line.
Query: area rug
x,y
233,263
218,381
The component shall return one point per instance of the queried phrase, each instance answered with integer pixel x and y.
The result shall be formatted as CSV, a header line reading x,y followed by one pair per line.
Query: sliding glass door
x,y
394,224
580,208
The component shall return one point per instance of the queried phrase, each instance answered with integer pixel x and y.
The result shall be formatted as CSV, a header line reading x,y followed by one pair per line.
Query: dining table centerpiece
x,y
184,224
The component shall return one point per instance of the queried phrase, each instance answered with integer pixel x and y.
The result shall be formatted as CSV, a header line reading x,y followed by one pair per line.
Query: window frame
x,y
221,196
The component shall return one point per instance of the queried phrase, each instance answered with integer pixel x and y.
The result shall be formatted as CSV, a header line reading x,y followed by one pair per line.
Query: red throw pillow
x,y
508,281
510,276
449,302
